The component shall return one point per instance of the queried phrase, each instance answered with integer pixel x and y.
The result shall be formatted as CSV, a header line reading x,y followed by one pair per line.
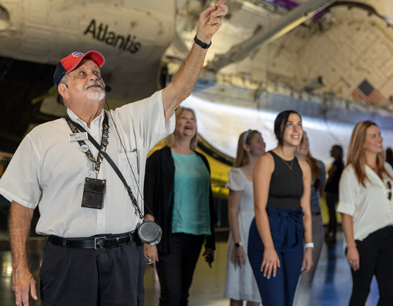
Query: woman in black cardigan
x,y
178,194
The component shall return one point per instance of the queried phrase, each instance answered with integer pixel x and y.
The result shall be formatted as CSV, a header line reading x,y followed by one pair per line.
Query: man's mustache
x,y
94,83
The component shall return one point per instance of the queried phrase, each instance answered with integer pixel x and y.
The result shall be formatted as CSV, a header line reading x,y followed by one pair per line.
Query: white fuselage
x,y
132,35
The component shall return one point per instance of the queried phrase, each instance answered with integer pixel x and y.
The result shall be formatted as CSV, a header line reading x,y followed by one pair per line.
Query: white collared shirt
x,y
369,206
50,171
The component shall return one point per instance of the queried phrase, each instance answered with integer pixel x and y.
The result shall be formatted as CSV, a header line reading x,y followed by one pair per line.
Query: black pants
x,y
175,270
89,277
376,258
331,201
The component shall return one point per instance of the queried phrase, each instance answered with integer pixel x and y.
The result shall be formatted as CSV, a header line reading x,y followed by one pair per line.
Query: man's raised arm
x,y
185,78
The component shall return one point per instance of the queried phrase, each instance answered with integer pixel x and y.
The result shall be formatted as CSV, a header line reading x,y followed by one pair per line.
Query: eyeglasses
x,y
390,190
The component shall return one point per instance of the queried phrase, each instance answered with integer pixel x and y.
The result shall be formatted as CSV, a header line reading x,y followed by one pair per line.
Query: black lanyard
x,y
103,154
85,148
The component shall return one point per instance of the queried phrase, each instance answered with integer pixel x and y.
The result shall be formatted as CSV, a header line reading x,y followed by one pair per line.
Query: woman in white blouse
x,y
366,206
240,284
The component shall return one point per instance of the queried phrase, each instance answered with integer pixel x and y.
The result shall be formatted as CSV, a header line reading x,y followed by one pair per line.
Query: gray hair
x,y
64,80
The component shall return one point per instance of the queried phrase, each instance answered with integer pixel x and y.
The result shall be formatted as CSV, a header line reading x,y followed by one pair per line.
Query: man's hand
x,y
185,78
22,283
210,21
22,280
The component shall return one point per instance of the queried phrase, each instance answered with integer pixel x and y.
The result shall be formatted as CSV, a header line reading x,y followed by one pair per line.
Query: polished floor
x,y
332,283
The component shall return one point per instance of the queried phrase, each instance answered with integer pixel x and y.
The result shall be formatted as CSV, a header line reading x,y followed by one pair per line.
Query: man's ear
x,y
63,91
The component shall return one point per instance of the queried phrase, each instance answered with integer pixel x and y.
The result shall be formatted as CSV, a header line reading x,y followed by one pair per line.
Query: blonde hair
x,y
171,139
241,154
356,155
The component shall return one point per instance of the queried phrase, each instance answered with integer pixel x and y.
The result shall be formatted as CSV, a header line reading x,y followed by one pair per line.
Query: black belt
x,y
98,242
313,214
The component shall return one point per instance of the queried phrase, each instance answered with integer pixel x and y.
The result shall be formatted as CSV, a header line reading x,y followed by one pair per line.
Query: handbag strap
x,y
110,161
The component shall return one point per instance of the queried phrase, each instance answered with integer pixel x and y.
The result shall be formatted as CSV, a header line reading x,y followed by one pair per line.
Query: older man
x,y
55,166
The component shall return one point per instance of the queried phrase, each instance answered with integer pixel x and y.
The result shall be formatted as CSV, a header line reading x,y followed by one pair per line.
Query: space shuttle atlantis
x,y
262,59
36,34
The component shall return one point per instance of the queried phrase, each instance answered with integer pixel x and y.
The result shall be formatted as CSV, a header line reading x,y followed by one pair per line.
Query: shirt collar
x,y
373,177
95,126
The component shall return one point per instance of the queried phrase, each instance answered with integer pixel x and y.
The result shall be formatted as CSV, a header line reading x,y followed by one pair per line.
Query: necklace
x,y
289,166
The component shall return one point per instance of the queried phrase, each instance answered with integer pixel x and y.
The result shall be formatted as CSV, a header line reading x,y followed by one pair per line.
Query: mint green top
x,y
191,214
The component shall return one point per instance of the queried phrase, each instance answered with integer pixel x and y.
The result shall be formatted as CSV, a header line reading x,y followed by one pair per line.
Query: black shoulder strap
x,y
110,161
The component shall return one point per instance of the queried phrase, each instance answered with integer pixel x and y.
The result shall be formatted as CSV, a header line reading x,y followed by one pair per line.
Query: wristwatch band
x,y
238,244
309,245
201,43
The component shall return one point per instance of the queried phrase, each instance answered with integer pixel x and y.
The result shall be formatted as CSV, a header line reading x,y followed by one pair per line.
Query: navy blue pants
x,y
287,234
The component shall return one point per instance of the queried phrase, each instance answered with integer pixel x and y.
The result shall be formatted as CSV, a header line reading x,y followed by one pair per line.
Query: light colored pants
x,y
303,289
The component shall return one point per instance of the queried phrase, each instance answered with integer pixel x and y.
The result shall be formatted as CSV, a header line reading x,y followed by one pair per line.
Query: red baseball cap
x,y
70,62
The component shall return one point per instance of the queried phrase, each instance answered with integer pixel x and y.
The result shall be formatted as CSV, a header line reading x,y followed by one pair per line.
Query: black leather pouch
x,y
93,193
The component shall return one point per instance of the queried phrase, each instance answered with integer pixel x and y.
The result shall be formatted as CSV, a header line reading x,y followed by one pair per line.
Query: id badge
x,y
78,136
93,193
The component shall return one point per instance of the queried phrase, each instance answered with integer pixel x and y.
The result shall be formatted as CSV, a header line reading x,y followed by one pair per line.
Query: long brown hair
x,y
356,155
170,140
315,170
241,154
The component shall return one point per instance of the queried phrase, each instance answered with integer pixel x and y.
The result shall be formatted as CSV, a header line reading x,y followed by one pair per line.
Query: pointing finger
x,y
207,12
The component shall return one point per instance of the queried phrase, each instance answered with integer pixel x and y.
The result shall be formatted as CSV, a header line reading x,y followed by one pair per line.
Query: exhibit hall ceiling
x,y
347,48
